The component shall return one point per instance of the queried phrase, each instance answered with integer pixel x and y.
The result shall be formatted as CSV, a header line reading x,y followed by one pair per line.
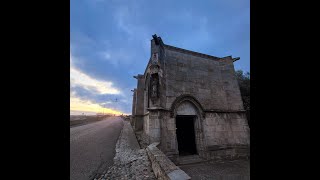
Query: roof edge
x,y
191,52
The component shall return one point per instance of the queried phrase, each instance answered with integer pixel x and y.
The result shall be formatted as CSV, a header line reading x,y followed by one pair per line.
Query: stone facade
x,y
181,85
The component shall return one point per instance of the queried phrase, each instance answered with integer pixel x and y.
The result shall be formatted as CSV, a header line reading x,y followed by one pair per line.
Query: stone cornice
x,y
205,110
157,108
223,111
191,52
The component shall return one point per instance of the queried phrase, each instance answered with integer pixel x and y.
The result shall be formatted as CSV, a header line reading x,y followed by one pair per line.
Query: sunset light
x,y
77,104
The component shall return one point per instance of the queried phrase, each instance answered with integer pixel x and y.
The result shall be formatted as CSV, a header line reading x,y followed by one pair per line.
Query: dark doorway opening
x,y
185,135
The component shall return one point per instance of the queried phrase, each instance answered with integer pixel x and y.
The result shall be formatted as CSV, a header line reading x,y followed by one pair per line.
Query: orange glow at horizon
x,y
79,105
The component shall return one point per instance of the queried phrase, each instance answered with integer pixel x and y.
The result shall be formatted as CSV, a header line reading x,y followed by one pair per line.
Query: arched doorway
x,y
185,129
188,115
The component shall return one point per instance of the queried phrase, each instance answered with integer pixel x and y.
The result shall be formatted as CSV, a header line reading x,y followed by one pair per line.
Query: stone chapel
x,y
190,103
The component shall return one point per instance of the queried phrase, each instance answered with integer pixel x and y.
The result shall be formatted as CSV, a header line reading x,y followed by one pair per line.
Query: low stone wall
x,y
228,152
130,162
163,168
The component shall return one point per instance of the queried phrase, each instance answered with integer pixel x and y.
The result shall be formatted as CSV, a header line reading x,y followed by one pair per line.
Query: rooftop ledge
x,y
199,54
191,52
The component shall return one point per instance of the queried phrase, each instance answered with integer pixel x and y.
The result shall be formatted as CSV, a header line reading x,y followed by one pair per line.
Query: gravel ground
x,y
130,162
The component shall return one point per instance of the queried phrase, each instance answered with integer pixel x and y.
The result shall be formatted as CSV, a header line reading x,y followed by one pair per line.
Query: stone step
x,y
192,159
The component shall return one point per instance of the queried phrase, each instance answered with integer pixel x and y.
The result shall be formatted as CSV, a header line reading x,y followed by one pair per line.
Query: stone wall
x,y
230,84
227,136
134,102
146,129
151,127
139,103
169,144
140,95
154,126
226,129
218,135
211,82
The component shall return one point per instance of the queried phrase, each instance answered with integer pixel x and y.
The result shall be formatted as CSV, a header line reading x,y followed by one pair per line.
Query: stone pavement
x,y
222,170
130,162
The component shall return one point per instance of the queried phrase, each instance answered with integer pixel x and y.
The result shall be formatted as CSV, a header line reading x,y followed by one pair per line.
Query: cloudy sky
x,y
110,43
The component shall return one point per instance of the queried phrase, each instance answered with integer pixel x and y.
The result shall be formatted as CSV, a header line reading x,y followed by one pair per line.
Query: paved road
x,y
222,170
92,147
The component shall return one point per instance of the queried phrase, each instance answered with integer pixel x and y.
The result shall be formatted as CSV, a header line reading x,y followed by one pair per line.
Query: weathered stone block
x,y
162,166
171,126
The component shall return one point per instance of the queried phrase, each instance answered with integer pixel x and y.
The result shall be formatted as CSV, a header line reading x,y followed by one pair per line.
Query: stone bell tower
x,y
155,71
154,88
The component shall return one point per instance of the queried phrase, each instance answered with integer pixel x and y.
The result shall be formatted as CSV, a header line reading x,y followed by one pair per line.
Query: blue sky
x,y
110,42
